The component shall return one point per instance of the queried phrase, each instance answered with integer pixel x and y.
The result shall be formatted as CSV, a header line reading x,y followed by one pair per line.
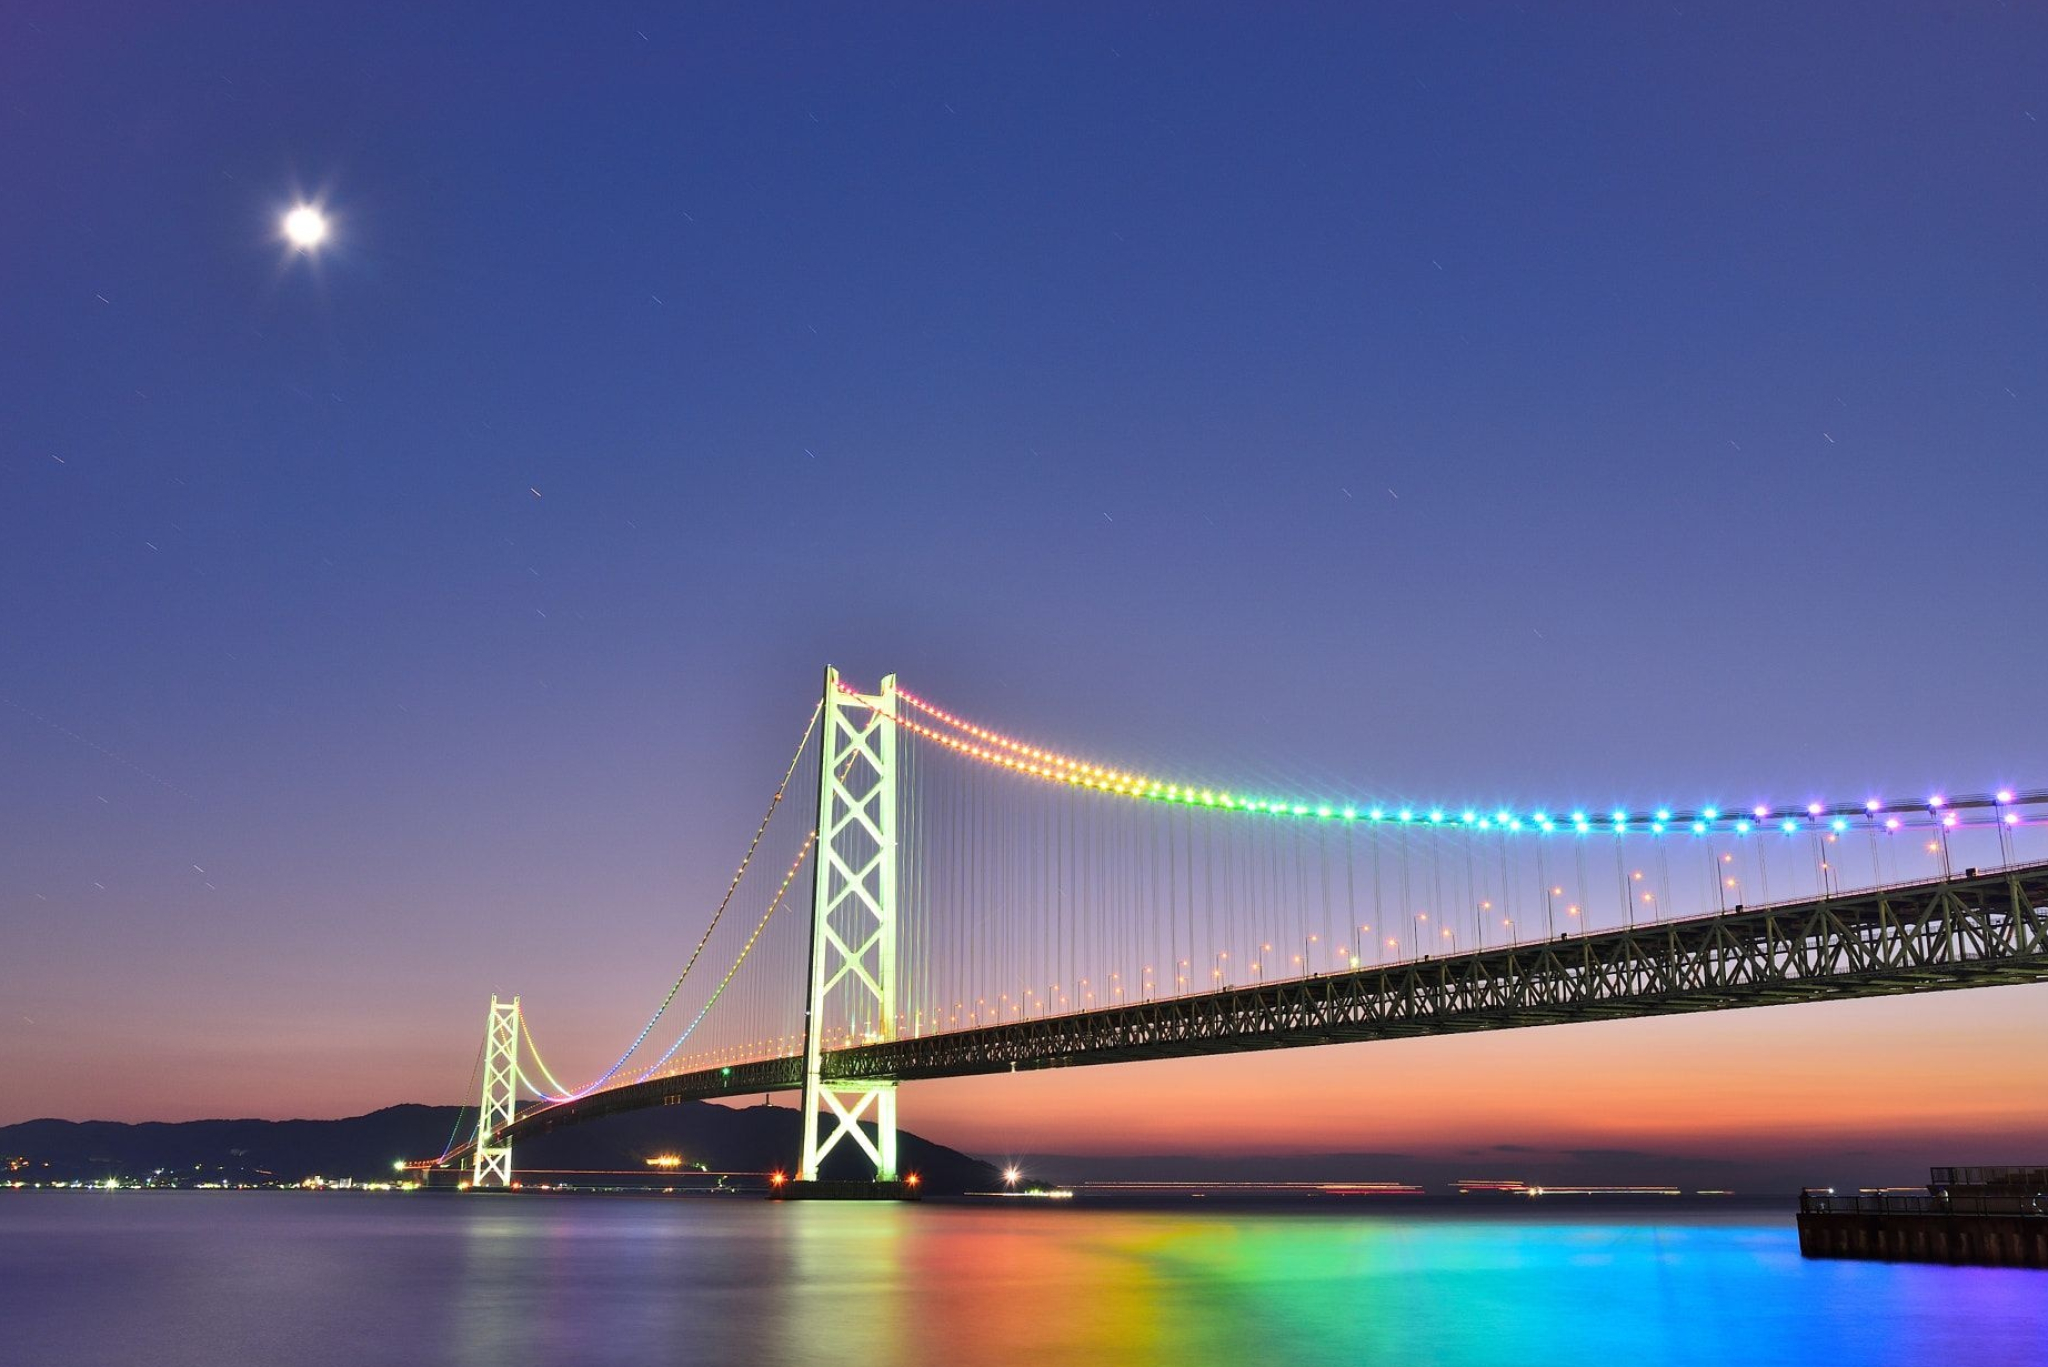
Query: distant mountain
x,y
756,1139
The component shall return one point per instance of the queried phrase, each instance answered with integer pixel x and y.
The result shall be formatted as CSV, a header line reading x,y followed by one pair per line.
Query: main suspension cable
x,y
476,1070
755,844
781,893
1000,751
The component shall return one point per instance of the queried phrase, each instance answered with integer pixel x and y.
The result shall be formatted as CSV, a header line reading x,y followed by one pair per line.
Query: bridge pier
x,y
874,1103
877,1190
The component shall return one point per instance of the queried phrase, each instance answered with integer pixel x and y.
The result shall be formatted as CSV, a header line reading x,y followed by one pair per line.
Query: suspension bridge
x,y
962,901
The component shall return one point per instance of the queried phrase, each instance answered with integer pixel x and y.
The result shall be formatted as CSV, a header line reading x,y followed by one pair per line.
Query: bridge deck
x,y
1965,932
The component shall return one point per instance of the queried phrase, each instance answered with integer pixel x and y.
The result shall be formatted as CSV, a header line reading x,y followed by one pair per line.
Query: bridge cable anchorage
x,y
562,1093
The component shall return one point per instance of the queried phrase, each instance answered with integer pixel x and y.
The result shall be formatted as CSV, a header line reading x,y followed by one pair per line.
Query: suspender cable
x,y
738,876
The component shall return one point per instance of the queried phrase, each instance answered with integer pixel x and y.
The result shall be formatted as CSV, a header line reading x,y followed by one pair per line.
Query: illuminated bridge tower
x,y
853,924
493,1166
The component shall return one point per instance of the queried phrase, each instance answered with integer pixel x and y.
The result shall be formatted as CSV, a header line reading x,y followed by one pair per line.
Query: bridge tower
x,y
493,1166
853,921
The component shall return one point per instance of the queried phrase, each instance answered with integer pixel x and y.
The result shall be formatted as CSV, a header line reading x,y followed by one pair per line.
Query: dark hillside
x,y
757,1139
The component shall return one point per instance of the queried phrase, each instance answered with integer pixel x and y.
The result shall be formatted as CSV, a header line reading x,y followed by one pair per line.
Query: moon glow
x,y
305,227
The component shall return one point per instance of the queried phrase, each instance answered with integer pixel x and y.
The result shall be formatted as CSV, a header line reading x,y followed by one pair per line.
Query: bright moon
x,y
305,227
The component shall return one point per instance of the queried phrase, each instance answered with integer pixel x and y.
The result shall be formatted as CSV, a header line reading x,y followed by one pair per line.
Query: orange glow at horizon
x,y
1962,1069
1845,1071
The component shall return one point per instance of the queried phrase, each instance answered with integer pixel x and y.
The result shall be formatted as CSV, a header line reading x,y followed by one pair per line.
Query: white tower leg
x,y
493,1165
853,921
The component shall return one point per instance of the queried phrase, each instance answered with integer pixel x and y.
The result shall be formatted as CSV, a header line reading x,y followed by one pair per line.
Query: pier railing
x,y
2008,1180
1815,1201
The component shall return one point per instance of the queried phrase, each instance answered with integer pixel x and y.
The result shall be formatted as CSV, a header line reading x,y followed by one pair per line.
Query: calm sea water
x,y
171,1279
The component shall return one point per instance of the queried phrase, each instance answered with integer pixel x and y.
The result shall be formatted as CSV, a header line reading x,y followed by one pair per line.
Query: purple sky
x,y
1626,404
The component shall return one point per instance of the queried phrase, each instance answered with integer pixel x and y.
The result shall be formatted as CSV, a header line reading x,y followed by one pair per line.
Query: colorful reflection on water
x,y
174,1278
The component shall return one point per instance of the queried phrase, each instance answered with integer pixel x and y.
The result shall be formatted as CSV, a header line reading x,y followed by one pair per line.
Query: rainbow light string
x,y
781,893
562,1093
986,745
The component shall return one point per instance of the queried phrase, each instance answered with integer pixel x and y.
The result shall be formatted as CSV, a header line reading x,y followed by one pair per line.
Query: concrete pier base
x,y
1975,1240
905,1190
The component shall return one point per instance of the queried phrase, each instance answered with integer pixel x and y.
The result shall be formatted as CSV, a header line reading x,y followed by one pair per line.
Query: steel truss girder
x,y
853,919
496,1112
1960,933
1936,936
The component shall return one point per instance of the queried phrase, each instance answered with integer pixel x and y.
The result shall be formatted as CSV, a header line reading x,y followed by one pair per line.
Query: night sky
x,y
1638,405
